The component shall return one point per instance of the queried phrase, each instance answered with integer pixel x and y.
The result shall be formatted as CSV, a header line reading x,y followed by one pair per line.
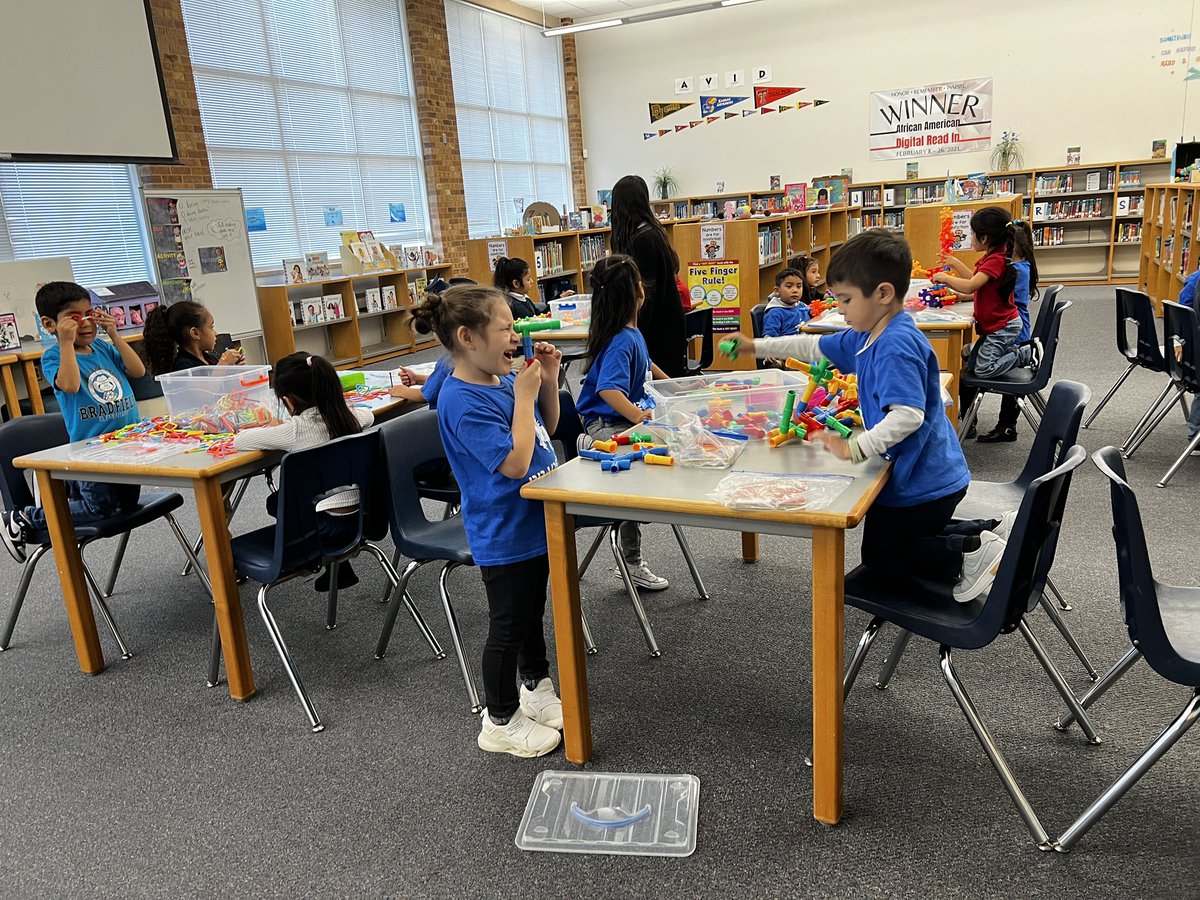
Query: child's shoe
x,y
542,705
998,435
13,532
640,574
346,578
1005,525
521,736
979,567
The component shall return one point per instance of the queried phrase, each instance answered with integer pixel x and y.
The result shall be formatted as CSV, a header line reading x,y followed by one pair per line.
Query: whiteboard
x,y
202,252
82,82
19,282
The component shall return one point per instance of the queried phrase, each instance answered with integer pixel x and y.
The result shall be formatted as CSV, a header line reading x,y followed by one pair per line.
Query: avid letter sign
x,y
935,118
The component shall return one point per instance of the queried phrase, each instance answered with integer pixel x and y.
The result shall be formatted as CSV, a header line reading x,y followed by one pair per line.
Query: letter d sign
x,y
762,74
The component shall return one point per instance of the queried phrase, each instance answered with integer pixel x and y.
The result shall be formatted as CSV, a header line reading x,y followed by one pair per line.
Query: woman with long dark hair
x,y
637,233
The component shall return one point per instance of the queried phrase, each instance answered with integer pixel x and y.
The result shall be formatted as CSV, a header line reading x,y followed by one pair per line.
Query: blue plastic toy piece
x,y
594,817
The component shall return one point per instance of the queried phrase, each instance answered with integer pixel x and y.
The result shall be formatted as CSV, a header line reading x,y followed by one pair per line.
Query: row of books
x,y
770,245
318,310
314,266
1185,255
1069,209
1048,236
925,193
1129,233
1066,184
547,258
1130,178
592,248
1130,205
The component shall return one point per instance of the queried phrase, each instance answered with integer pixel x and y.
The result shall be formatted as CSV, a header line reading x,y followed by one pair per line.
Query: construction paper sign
x,y
256,220
766,95
710,105
662,110
396,213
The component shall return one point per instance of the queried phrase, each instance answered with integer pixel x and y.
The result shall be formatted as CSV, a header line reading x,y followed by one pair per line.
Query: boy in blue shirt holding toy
x,y
907,530
92,388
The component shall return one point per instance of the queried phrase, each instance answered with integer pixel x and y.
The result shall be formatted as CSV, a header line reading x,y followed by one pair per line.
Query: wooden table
x,y
7,363
29,356
677,495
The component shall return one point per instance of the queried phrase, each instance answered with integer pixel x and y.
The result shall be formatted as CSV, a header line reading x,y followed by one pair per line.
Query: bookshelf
x,y
358,337
923,226
1086,231
1167,256
561,260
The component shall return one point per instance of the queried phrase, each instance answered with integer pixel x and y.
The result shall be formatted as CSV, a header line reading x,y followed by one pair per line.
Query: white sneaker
x,y
980,567
521,737
1006,524
12,533
641,575
542,704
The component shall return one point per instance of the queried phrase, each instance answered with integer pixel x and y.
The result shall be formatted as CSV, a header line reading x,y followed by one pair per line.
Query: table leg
x,y
568,633
70,573
29,367
749,546
214,526
11,400
954,367
829,623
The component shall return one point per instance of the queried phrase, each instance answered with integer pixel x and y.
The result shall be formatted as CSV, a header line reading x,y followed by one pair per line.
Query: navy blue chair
x,y
1162,620
928,610
758,314
30,434
1136,310
698,326
303,540
1023,384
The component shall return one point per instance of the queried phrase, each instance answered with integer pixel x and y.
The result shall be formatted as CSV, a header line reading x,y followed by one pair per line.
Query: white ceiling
x,y
589,9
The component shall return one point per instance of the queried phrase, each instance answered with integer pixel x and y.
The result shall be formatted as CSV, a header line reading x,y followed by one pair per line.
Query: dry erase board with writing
x,y
201,252
19,282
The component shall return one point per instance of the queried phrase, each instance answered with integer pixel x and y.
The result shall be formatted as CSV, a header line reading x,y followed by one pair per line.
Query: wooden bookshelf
x,y
1167,252
923,227
560,259
356,339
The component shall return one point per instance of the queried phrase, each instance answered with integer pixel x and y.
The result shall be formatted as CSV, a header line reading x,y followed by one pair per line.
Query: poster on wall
x,y
962,229
715,283
712,240
952,117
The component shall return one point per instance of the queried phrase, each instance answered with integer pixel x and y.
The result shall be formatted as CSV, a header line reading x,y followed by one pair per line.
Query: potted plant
x,y
1008,154
665,182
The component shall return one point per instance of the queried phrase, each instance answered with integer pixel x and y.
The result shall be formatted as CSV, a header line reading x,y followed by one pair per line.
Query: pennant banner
x,y
646,135
748,112
663,131
681,128
764,95
711,119
784,107
820,102
662,110
731,115
802,105
766,109
693,124
710,105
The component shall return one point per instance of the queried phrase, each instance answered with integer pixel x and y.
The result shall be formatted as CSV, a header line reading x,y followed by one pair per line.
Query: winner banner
x,y
953,117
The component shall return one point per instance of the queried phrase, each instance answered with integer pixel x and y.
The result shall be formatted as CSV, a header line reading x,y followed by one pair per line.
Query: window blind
x,y
87,212
307,106
512,129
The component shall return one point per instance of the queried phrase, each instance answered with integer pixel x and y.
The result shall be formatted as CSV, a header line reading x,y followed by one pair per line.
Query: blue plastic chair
x,y
30,434
758,314
1162,620
1135,309
928,610
295,546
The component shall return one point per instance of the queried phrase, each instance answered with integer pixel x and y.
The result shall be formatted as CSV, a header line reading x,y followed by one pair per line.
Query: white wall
x,y
1066,72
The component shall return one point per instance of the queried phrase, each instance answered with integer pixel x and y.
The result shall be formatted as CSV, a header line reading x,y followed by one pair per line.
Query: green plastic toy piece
x,y
729,347
526,326
789,406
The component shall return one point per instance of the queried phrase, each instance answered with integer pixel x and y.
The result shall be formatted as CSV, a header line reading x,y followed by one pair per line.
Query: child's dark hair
x,y
312,382
53,296
992,226
615,281
870,259
509,270
789,272
166,329
467,306
1022,245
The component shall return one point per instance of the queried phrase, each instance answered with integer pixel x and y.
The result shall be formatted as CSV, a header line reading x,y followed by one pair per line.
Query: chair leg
x,y
1149,429
1102,804
587,560
22,589
214,656
387,593
331,604
286,657
993,751
1192,444
456,637
1100,688
860,654
398,592
691,562
438,652
193,560
1147,415
1060,683
1068,636
634,596
1062,601
889,663
1112,390
115,569
589,644
1023,404
105,612
969,418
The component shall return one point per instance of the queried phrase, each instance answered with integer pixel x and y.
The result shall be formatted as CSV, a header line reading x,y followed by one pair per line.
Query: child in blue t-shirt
x,y
423,388
786,310
495,427
614,388
907,532
92,388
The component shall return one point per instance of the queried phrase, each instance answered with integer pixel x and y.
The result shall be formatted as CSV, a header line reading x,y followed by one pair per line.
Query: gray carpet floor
x,y
142,782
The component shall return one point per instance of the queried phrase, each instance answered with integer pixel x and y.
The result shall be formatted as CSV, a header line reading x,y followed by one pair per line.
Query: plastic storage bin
x,y
222,398
758,391
575,310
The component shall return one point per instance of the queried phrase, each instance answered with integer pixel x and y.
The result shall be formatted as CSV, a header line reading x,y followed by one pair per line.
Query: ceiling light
x,y
583,26
644,17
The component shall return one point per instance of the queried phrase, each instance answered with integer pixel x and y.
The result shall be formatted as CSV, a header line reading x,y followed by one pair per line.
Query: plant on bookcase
x,y
665,182
1008,154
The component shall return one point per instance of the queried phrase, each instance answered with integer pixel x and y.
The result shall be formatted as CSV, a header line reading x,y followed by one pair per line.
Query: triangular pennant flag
x,y
681,128
711,119
766,109
664,131
748,112
731,115
662,110
1192,73
802,105
695,123
785,107
764,95
646,135
710,105
820,102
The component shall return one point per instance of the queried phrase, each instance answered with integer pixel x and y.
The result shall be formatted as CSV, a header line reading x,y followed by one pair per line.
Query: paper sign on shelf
x,y
712,240
716,283
496,249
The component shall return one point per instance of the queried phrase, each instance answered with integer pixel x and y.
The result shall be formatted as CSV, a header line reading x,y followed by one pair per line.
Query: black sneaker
x,y
12,532
998,435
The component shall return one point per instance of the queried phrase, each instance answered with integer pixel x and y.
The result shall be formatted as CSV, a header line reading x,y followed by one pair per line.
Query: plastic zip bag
x,y
691,444
771,490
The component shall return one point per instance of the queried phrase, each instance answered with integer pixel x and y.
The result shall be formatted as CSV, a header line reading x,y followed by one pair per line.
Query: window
x,y
512,130
87,212
307,107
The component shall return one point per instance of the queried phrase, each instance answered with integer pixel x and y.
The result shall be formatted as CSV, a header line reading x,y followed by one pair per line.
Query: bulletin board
x,y
19,282
202,252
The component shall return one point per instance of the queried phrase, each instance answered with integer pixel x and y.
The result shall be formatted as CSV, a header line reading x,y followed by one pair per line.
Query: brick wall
x,y
192,170
438,122
574,117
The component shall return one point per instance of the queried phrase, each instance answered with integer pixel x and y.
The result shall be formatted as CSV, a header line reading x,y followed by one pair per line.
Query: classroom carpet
x,y
141,782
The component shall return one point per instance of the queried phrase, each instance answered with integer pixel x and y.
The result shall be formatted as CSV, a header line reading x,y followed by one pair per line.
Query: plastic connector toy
x,y
526,327
656,460
606,446
729,347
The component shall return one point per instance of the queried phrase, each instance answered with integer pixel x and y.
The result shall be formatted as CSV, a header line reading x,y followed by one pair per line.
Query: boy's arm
x,y
68,379
898,423
405,392
806,347
134,367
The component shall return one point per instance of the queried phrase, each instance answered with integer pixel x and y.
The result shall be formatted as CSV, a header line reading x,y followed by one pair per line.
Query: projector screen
x,y
82,83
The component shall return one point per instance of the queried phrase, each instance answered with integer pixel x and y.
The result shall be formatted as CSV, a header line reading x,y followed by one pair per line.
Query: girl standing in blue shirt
x,y
619,366
495,427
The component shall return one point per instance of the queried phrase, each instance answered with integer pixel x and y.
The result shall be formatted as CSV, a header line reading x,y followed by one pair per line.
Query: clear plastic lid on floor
x,y
611,812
